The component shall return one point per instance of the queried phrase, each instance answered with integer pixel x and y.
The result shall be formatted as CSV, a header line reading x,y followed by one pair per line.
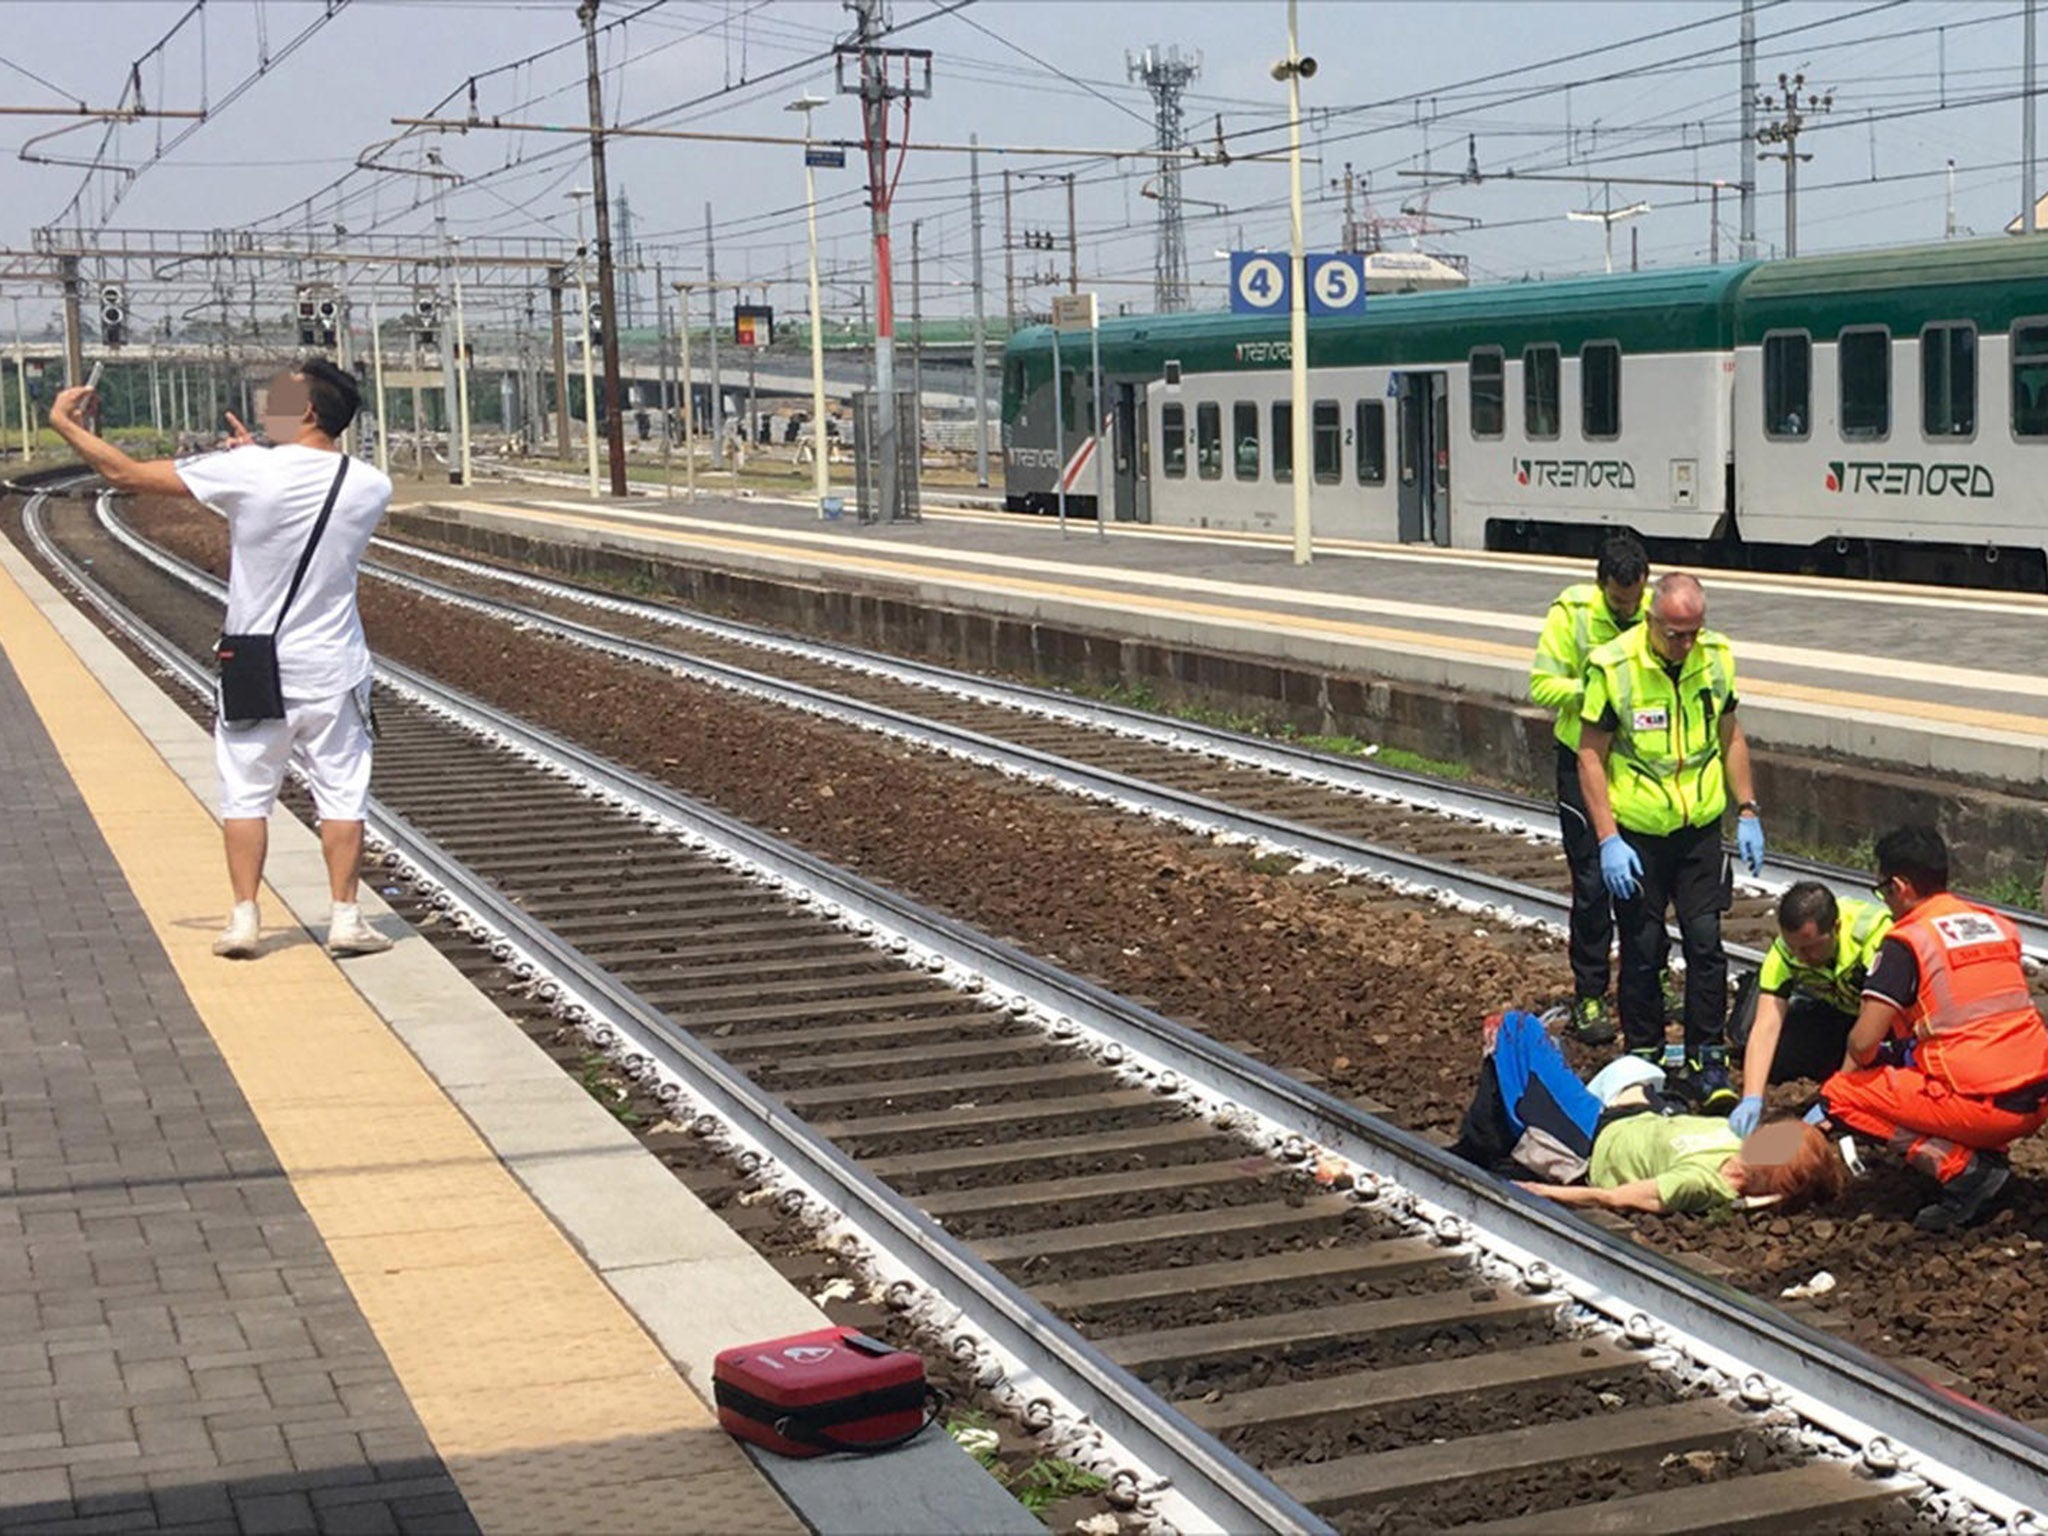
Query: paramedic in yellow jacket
x,y
1583,618
1660,751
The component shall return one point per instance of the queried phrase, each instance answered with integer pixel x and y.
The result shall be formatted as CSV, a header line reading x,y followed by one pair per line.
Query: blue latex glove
x,y
1743,1117
1620,867
1749,842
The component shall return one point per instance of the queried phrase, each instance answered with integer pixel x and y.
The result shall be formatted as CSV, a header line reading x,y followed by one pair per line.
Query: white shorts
x,y
328,738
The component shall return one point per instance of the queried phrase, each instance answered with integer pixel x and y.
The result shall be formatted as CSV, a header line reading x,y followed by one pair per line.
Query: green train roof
x,y
1683,309
1991,281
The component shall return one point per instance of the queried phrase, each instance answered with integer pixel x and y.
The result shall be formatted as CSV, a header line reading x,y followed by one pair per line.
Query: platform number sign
x,y
1259,283
1336,284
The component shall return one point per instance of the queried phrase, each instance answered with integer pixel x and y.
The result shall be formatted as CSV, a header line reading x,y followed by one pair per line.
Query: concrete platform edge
x,y
694,1285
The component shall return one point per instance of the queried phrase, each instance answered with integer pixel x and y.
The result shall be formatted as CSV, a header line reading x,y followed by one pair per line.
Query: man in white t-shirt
x,y
272,499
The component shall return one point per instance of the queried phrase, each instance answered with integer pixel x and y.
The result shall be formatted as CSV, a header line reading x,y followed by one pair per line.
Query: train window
x,y
1864,359
1209,440
1372,442
1244,438
1600,389
1541,416
1014,388
1173,372
1788,384
1283,441
1173,441
1328,421
1069,404
1489,392
1948,380
2030,379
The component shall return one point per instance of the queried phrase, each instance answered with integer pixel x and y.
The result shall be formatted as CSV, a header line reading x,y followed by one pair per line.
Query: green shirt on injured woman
x,y
1683,1153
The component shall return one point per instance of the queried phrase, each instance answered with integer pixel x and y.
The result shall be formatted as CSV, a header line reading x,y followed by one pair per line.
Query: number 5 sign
x,y
1336,284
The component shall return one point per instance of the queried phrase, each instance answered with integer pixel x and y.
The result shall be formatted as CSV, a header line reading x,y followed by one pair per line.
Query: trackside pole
x,y
1059,435
1102,420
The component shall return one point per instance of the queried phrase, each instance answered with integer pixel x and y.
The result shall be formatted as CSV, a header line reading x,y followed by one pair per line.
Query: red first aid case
x,y
834,1389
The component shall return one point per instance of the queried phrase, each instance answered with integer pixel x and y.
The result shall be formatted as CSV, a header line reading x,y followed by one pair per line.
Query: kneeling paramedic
x,y
1659,748
1793,1014
1949,1054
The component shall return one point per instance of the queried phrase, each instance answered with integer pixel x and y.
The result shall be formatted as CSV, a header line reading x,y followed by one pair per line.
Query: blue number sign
x,y
1258,283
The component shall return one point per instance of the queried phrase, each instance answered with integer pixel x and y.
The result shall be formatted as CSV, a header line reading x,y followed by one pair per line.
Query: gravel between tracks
x,y
1378,993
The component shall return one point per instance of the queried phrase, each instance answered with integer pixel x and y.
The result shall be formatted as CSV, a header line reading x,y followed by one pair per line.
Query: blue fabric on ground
x,y
1536,1087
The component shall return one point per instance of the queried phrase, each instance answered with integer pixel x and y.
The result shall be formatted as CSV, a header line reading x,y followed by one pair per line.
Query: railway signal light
x,y
113,315
426,314
319,316
596,322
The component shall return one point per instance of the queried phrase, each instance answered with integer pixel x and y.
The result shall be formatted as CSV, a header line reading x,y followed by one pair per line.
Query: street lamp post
x,y
461,364
577,194
1293,69
821,469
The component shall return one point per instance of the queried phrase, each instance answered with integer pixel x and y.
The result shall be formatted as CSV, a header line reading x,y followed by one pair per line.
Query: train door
x,y
1128,462
1423,463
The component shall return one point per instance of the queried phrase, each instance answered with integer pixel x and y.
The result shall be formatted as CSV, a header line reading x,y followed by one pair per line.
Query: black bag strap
x,y
312,539
809,1426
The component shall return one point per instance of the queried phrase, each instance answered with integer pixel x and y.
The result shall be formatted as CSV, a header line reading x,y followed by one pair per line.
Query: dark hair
x,y
1807,902
1623,560
335,395
1914,853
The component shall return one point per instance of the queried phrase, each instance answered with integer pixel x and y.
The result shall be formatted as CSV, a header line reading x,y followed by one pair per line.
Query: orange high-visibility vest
x,y
1979,1029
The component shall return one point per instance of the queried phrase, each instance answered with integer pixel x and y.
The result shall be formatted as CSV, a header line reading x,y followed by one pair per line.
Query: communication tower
x,y
1166,73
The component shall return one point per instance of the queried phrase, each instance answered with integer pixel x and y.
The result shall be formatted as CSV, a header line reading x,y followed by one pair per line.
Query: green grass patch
x,y
601,1081
1037,1484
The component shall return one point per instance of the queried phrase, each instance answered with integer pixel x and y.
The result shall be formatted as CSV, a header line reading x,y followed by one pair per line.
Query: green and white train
x,y
1883,413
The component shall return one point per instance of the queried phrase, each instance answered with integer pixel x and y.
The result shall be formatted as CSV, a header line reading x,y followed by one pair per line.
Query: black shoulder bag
x,y
250,688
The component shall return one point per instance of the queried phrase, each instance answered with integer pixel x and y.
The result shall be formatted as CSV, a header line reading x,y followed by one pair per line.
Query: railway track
x,y
1511,836
1356,1330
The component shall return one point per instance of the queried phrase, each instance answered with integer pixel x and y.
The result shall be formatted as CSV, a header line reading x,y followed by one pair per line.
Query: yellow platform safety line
x,y
1263,620
550,1404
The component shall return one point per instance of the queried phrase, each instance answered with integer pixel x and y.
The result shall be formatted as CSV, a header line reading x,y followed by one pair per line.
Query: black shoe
x,y
1590,1022
1965,1196
1710,1085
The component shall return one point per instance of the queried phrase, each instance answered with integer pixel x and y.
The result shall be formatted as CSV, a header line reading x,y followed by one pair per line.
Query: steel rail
x,y
1215,818
1391,866
1897,1421
1502,809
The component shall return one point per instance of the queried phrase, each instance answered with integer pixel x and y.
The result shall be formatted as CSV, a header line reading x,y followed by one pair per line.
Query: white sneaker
x,y
348,934
243,935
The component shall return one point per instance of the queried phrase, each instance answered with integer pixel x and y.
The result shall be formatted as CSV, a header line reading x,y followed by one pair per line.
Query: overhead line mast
x,y
615,420
877,92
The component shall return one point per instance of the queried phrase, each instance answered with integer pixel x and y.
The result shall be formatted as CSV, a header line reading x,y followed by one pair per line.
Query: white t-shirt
x,y
271,498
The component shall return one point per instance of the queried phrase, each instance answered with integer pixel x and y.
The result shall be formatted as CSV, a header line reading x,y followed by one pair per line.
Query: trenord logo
x,y
1903,477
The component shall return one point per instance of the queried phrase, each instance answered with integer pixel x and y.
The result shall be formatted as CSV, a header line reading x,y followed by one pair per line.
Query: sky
x,y
1593,92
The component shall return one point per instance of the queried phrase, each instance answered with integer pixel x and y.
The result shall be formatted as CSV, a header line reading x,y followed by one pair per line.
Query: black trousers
x,y
1811,1043
1592,909
1686,871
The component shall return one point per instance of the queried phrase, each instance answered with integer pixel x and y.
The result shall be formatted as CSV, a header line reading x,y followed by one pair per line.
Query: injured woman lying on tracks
x,y
1618,1141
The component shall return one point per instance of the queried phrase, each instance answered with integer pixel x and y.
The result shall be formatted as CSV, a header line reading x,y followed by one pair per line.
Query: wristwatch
x,y
1752,807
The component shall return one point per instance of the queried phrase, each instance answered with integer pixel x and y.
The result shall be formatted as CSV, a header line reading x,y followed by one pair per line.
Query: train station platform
x,y
297,1245
1917,679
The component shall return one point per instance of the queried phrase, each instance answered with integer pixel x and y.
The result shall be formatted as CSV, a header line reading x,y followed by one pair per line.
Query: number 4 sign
x,y
1258,283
